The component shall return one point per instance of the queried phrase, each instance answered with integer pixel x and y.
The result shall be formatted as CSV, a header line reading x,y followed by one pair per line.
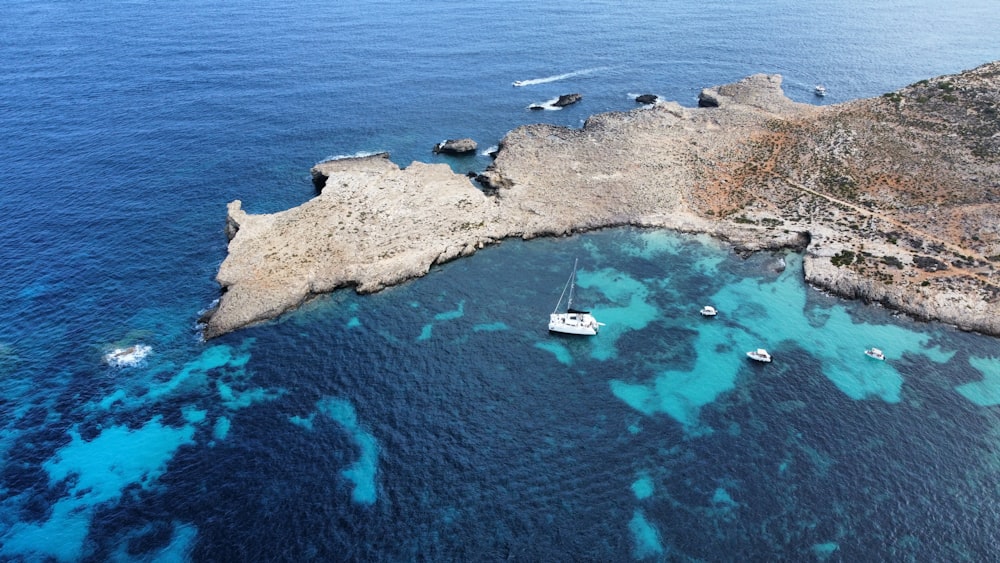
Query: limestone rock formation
x,y
708,98
874,191
567,100
456,146
373,225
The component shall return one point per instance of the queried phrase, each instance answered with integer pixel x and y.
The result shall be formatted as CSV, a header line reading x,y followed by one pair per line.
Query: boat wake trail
x,y
557,77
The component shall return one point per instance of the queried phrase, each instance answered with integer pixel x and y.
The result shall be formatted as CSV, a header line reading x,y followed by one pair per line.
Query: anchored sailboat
x,y
572,321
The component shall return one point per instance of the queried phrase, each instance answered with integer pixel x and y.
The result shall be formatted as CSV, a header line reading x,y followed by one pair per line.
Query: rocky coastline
x,y
894,199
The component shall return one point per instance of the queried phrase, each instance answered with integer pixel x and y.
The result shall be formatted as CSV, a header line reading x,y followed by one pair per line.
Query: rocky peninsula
x,y
894,199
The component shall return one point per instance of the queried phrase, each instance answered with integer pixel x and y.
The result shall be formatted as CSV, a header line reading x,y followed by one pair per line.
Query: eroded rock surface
x,y
456,146
373,225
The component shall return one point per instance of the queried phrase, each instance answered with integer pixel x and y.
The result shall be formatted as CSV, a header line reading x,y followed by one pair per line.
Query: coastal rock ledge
x,y
894,199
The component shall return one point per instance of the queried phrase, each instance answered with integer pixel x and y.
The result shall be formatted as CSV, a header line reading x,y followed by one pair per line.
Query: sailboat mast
x,y
572,285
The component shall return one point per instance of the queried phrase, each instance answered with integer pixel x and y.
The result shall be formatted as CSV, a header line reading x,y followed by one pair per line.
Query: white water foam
x,y
127,357
548,105
359,154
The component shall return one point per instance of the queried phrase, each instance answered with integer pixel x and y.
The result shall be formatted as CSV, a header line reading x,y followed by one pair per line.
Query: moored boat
x,y
875,353
759,355
572,321
709,311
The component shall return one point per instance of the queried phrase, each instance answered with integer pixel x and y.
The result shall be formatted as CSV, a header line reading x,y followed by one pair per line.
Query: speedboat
x,y
820,90
759,355
518,83
708,311
875,353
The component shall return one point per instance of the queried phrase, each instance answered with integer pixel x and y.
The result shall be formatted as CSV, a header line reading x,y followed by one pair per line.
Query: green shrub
x,y
843,258
892,261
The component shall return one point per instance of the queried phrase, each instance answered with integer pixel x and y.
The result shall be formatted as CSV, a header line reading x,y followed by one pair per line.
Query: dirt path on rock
x,y
882,217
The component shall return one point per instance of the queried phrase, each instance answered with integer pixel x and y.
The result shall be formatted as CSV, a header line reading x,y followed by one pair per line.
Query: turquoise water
x,y
438,420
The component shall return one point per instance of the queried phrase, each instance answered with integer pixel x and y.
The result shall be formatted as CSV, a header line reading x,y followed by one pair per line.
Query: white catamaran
x,y
573,321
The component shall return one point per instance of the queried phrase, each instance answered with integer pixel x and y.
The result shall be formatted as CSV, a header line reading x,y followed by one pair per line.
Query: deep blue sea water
x,y
438,420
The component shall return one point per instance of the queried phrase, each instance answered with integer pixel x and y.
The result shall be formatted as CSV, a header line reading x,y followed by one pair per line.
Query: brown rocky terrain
x,y
894,199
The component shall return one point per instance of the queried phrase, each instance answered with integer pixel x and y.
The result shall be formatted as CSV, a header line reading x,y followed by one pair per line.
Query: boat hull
x,y
583,324
759,356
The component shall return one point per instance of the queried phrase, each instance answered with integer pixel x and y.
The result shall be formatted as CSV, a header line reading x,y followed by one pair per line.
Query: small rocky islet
x,y
893,199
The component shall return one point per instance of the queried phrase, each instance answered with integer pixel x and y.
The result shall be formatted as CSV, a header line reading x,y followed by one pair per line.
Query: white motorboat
x,y
709,311
572,321
517,83
820,90
759,355
875,353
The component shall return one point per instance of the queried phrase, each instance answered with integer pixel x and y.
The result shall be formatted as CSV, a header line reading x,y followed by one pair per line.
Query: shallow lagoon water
x,y
438,419
401,406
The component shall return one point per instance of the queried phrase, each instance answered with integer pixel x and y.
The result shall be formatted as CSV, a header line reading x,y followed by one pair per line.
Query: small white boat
x,y
572,321
875,353
708,311
820,90
759,355
517,83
